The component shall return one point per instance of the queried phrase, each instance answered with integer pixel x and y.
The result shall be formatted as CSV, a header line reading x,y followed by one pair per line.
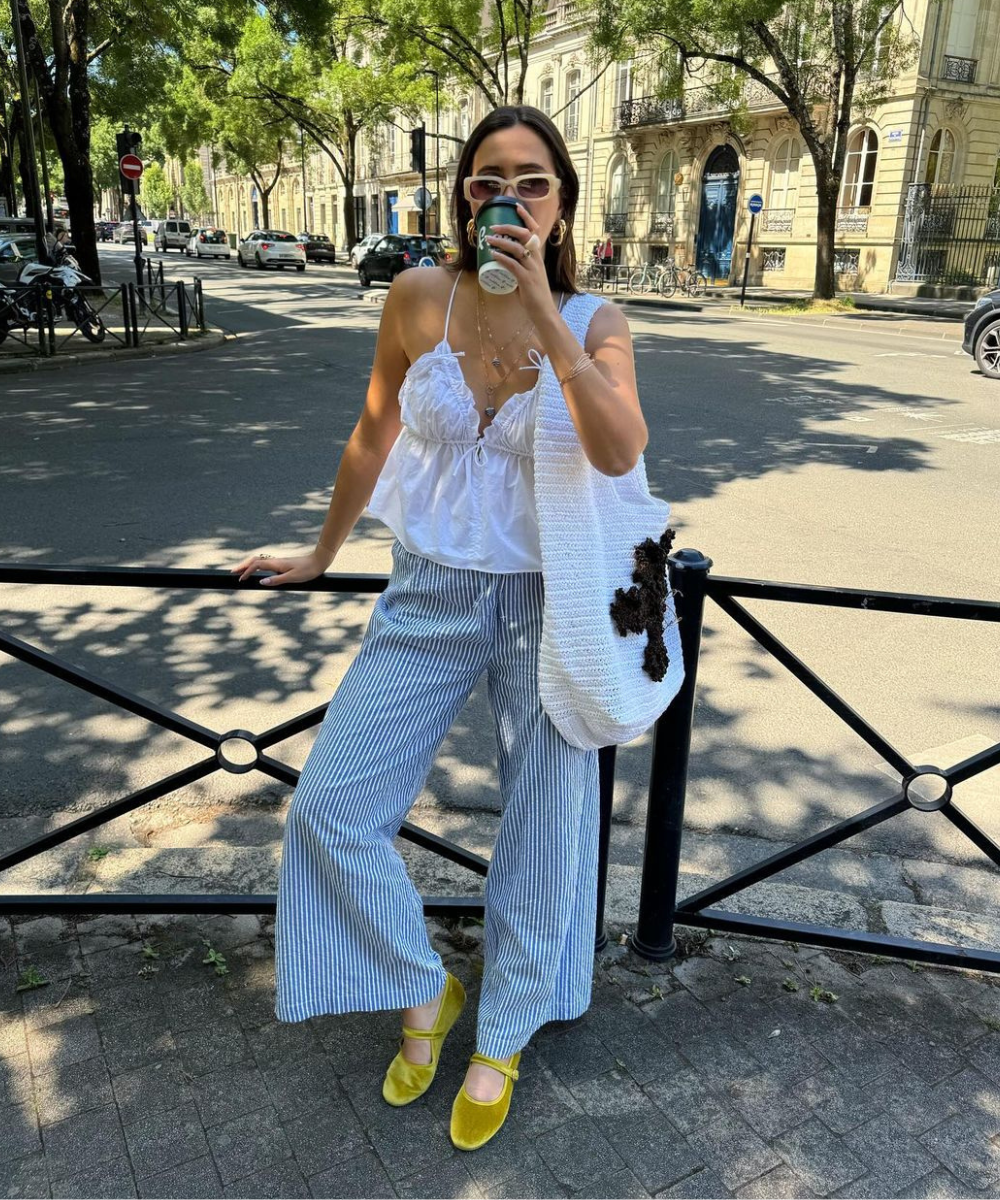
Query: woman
x,y
442,454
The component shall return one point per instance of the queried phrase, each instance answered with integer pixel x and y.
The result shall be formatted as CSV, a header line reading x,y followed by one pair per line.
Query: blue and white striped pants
x,y
350,933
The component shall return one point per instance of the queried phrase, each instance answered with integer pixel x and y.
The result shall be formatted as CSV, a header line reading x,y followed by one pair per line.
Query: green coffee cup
x,y
493,275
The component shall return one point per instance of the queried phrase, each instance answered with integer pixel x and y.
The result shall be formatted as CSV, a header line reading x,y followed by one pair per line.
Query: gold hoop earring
x,y
470,231
558,241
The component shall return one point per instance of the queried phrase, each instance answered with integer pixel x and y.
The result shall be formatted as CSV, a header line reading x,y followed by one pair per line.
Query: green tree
x,y
157,195
196,200
826,61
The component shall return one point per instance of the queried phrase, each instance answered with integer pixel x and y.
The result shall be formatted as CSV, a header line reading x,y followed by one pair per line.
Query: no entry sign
x,y
130,166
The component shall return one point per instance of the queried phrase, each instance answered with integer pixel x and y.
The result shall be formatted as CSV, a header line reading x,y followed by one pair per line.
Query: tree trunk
x,y
826,230
350,175
350,228
80,201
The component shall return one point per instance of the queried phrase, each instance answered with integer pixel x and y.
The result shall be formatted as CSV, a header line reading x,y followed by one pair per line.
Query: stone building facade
x,y
672,178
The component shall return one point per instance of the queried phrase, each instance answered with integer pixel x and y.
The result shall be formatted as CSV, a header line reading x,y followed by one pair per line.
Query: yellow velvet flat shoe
x,y
474,1122
404,1080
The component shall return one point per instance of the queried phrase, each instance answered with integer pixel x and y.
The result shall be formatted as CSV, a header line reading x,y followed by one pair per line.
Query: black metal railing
x,y
951,236
247,751
706,100
960,70
615,222
924,789
33,317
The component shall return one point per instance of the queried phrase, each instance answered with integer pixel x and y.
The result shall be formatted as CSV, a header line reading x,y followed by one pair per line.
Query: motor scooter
x,y
61,277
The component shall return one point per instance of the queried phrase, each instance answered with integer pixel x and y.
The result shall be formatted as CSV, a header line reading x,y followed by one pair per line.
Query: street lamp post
x,y
437,150
302,156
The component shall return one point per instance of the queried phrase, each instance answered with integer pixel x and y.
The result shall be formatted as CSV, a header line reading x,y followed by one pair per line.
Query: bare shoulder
x,y
417,301
609,323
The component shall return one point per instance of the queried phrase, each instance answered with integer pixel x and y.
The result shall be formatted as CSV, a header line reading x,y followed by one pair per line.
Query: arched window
x,y
859,169
784,191
463,120
941,158
545,96
665,185
618,189
572,125
623,83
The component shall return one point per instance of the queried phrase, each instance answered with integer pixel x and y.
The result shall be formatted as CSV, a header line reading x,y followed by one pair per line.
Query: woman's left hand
x,y
530,273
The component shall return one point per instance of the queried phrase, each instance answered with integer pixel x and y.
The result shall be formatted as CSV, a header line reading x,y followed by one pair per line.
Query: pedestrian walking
x,y
521,516
608,255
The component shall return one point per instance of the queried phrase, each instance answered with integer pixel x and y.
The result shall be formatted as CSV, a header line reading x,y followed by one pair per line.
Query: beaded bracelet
x,y
581,364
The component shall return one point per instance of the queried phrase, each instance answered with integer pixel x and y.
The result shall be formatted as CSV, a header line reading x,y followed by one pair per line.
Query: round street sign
x,y
756,203
130,166
422,198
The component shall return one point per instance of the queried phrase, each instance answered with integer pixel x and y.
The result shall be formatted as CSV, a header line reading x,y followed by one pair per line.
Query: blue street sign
x,y
756,203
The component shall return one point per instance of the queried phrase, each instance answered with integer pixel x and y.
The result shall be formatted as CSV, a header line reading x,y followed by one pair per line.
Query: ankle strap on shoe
x,y
496,1064
419,1033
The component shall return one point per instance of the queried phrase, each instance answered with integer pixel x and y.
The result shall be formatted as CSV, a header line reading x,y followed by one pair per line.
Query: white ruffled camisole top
x,y
450,494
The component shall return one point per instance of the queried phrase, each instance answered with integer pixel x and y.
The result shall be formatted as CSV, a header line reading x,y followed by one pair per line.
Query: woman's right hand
x,y
287,570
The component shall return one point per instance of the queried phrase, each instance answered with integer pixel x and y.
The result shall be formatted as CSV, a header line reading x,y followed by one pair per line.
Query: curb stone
x,y
199,342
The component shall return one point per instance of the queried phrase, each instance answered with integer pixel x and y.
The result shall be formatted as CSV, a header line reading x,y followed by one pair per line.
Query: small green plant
x,y
656,991
743,980
30,979
820,993
992,1023
914,966
215,958
790,985
96,853
150,950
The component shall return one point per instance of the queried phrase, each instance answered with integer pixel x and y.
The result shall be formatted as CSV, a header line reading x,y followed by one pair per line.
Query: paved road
x,y
835,454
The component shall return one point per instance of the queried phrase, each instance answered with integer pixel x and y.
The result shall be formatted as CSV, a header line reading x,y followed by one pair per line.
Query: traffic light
x,y
128,142
417,150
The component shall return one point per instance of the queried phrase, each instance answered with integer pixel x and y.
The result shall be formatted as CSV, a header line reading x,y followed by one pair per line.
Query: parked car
x,y
360,249
272,248
123,233
208,242
319,248
982,334
396,252
173,233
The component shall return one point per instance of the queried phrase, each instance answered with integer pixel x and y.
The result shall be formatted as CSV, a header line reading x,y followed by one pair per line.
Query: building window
x,y
962,28
784,190
774,258
390,142
859,169
572,125
665,187
940,158
462,124
846,261
623,85
618,188
545,96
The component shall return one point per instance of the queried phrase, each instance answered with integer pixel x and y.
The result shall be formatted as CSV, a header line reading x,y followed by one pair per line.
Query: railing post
x,y
654,935
606,768
126,314
50,318
182,313
199,304
133,308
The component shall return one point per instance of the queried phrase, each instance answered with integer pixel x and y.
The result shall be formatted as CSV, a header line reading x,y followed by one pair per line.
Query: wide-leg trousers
x,y
349,932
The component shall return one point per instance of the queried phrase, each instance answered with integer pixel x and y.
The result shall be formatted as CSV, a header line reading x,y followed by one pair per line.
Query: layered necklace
x,y
497,360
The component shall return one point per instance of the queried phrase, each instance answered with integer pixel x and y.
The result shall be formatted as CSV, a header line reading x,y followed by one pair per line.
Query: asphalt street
x,y
843,453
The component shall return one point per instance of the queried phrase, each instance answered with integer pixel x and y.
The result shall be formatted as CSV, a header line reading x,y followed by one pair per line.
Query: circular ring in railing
x,y
236,752
927,789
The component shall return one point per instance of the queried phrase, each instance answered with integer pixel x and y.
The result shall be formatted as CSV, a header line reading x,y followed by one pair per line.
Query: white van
x,y
172,234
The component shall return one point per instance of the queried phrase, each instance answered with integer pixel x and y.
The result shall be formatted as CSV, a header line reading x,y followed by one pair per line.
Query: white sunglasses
x,y
526,187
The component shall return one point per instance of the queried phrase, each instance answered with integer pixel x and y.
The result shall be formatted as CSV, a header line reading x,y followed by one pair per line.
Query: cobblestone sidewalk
x,y
743,1068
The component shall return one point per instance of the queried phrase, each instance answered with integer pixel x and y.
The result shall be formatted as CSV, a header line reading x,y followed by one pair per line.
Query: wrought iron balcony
x,y
696,103
853,220
961,70
778,220
614,222
647,110
662,222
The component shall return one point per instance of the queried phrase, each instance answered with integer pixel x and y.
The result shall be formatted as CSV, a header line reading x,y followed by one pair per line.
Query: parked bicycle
x,y
648,278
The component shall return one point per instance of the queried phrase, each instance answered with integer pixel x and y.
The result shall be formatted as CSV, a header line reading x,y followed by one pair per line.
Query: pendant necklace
x,y
490,409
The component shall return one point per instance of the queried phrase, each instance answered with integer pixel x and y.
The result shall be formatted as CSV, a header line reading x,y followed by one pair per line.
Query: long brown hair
x,y
560,261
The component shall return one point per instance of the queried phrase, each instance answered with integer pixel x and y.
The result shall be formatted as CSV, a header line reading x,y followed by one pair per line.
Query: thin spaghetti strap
x,y
451,301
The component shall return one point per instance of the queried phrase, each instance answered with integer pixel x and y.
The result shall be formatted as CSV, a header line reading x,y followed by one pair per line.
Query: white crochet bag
x,y
591,680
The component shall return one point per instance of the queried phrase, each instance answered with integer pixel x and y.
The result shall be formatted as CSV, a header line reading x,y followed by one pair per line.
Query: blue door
x,y
717,218
391,216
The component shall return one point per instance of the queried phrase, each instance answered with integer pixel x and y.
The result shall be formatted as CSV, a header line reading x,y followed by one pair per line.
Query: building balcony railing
x,y
564,12
778,220
696,104
853,220
961,70
662,223
614,222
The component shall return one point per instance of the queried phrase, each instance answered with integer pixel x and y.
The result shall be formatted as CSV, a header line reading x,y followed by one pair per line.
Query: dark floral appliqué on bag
x,y
643,608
